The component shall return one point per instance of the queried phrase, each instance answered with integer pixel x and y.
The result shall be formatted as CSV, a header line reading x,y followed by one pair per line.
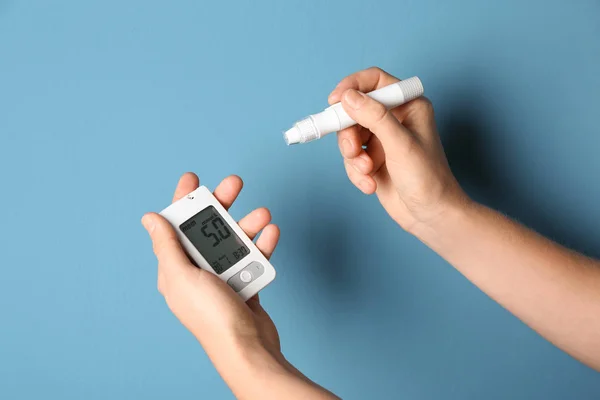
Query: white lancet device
x,y
334,118
215,243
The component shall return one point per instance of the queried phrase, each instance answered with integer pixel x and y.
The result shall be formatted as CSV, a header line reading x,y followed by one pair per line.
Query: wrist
x,y
451,216
242,354
255,372
246,365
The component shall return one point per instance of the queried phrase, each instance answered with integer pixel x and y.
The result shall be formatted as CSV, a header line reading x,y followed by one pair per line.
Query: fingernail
x,y
347,148
148,223
360,164
353,98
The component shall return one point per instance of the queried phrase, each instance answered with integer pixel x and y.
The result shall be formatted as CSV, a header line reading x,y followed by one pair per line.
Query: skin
x,y
239,338
552,289
398,156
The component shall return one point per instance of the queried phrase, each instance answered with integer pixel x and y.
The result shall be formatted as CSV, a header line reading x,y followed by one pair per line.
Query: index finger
x,y
226,192
187,183
364,81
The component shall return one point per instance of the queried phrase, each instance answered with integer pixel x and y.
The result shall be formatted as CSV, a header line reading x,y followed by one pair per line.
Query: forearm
x,y
552,289
254,373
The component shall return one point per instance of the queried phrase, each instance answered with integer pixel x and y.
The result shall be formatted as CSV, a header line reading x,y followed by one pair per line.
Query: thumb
x,y
376,118
165,243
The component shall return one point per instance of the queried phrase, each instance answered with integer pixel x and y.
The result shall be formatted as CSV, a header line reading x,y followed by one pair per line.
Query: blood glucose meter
x,y
216,243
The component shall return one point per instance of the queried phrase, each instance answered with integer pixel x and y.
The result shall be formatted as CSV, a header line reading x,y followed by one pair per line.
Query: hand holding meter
x,y
215,243
240,338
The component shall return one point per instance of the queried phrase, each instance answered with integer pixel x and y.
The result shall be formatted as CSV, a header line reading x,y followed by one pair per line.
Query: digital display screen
x,y
214,239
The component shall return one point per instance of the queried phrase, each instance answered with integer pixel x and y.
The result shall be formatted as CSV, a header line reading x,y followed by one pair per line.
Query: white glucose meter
x,y
216,243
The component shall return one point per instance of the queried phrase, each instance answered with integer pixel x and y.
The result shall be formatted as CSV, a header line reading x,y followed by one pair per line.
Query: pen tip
x,y
292,136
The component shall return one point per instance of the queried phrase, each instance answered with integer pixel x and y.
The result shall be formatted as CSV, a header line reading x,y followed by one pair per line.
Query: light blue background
x,y
104,104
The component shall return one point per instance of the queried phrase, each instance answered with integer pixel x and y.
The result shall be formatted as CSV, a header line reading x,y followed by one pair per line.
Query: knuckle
x,y
161,246
378,112
347,82
349,170
375,68
158,247
423,105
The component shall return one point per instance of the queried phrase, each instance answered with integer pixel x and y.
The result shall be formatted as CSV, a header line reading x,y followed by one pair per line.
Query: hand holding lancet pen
x,y
334,118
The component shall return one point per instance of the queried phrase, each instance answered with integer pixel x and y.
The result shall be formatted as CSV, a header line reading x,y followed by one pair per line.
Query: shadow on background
x,y
329,250
410,318
471,159
331,240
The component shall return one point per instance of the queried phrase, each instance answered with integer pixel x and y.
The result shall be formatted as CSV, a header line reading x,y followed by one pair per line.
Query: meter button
x,y
245,276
